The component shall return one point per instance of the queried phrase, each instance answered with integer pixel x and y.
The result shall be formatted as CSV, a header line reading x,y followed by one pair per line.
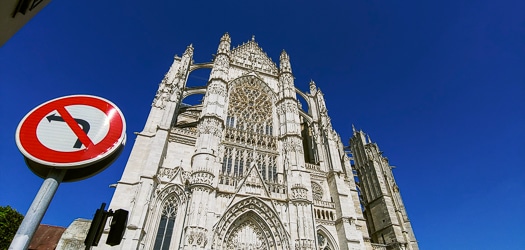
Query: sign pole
x,y
78,134
37,210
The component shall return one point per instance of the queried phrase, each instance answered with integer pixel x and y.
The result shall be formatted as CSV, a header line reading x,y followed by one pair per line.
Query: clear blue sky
x,y
440,86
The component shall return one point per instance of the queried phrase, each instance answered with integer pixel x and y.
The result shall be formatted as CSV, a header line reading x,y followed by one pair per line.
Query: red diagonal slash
x,y
79,132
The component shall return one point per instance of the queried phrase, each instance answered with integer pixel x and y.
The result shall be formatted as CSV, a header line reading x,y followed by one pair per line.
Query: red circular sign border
x,y
33,149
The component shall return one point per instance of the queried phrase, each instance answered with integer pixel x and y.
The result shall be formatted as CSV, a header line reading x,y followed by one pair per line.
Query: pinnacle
x,y
226,36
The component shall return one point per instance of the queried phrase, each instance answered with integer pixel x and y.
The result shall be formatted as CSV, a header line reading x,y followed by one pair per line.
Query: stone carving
x,y
301,244
288,107
250,55
221,63
286,80
249,117
185,62
162,95
186,131
224,45
280,110
317,191
313,88
321,102
369,153
216,88
250,211
197,236
247,235
186,176
216,103
201,178
174,190
239,136
284,60
326,204
293,144
210,126
299,192
168,173
225,195
168,91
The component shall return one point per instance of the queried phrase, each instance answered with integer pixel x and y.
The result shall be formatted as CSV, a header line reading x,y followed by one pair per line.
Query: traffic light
x,y
116,230
97,227
117,227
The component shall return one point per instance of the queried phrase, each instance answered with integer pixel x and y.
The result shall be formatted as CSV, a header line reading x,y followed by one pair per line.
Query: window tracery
x,y
247,235
236,162
323,242
249,120
256,220
166,225
249,126
317,191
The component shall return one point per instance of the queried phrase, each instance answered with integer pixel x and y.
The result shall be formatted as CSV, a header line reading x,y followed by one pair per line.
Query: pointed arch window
x,y
239,163
230,122
227,161
269,129
263,171
323,241
166,225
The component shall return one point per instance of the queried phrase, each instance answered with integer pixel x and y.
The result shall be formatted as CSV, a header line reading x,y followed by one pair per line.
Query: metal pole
x,y
37,210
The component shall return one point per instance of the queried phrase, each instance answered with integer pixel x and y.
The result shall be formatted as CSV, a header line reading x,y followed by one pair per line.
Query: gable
x,y
249,55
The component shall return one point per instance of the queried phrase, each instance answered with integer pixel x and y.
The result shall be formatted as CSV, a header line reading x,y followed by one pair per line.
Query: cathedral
x,y
249,168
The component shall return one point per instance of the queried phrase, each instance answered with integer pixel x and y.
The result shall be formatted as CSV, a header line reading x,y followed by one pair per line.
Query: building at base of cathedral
x,y
251,168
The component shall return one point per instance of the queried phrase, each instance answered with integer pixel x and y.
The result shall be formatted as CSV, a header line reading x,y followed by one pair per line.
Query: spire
x,y
189,50
226,37
224,45
285,62
313,88
353,128
320,99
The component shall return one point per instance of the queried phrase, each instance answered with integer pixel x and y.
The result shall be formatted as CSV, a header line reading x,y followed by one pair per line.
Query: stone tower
x,y
247,168
383,208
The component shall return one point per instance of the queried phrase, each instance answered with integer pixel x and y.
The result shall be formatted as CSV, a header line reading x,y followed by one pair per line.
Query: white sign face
x,y
71,132
55,133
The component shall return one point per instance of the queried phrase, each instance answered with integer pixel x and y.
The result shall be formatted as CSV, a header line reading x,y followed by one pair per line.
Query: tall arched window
x,y
249,128
167,222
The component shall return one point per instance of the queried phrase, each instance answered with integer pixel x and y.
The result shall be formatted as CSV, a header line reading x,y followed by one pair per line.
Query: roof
x,y
46,237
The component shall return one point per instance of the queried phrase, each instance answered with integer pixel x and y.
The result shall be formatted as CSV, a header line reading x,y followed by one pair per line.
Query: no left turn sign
x,y
72,132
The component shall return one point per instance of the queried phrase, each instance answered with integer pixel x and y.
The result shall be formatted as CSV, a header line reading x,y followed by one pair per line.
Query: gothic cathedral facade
x,y
248,168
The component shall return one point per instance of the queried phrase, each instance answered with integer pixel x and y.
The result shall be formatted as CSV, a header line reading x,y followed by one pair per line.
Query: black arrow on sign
x,y
84,124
